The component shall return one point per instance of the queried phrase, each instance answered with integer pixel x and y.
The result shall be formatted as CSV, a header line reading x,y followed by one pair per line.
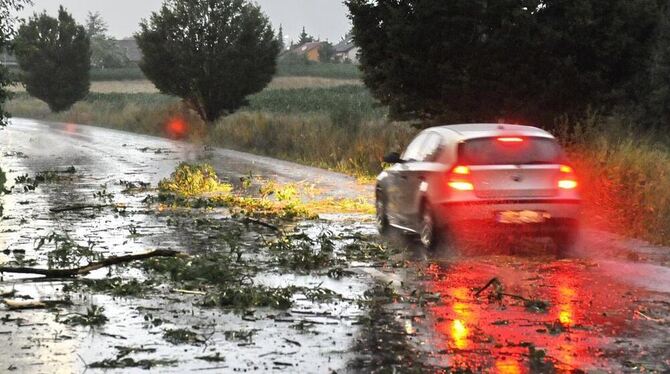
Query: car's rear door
x,y
398,176
418,171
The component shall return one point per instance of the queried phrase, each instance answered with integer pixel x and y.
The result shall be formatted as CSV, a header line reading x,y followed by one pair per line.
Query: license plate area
x,y
521,217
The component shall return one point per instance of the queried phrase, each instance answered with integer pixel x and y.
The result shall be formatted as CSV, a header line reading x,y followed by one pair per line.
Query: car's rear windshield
x,y
510,151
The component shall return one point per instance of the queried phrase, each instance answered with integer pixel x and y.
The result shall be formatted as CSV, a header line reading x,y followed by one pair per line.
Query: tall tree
x,y
7,20
96,25
105,53
304,37
280,38
213,54
55,57
521,60
656,112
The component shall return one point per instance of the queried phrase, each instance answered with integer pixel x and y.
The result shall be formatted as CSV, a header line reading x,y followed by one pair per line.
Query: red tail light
x,y
511,139
567,179
459,179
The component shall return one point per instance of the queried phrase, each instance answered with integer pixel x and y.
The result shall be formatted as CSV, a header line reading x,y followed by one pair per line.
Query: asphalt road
x,y
606,308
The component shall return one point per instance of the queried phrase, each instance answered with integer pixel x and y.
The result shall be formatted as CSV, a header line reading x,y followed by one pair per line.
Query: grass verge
x,y
332,71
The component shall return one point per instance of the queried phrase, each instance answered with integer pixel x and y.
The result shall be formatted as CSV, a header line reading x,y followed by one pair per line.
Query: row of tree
x,y
519,60
211,54
440,61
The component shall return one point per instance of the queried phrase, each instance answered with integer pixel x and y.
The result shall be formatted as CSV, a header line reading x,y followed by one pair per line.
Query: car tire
x,y
381,217
429,232
566,242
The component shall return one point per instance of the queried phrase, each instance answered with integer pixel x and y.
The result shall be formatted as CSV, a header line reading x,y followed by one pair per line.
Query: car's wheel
x,y
429,232
566,241
381,216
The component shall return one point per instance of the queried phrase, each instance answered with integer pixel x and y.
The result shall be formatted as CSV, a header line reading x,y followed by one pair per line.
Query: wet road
x,y
604,309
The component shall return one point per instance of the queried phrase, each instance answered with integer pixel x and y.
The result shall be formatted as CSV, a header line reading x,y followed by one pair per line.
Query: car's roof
x,y
486,130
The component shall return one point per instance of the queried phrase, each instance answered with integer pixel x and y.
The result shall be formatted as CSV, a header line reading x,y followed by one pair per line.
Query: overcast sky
x,y
326,19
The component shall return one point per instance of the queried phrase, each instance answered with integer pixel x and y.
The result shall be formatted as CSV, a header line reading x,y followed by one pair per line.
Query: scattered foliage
x,y
114,286
94,316
182,336
246,297
66,253
127,362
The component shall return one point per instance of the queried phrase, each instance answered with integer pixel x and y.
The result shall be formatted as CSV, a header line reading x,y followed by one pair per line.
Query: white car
x,y
481,179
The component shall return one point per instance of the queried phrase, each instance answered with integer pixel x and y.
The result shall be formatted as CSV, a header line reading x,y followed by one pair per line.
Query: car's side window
x,y
431,147
413,152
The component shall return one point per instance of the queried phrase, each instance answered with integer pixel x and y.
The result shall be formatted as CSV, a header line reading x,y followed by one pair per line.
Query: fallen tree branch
x,y
258,222
111,261
189,292
34,304
495,282
71,208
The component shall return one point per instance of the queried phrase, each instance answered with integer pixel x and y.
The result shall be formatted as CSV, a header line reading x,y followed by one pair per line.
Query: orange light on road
x,y
459,332
508,366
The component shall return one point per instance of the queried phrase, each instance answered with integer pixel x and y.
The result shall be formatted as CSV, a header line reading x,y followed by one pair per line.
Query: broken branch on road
x,y
84,270
76,207
498,293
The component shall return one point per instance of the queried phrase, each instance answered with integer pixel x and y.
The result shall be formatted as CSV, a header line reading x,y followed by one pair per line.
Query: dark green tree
x,y
55,59
7,20
515,60
213,54
304,37
656,112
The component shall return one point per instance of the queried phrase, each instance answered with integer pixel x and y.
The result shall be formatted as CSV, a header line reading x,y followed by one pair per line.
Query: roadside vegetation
x,y
344,128
624,174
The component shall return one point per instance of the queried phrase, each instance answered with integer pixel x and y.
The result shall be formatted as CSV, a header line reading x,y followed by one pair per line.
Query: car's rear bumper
x,y
481,216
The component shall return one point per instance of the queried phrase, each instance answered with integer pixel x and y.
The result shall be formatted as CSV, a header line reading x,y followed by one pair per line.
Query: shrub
x,y
194,180
231,54
55,57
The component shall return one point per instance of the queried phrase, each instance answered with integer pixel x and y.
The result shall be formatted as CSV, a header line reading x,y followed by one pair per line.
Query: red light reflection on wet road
x,y
492,336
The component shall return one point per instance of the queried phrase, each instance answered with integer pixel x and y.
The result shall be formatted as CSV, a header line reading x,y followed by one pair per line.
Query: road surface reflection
x,y
509,330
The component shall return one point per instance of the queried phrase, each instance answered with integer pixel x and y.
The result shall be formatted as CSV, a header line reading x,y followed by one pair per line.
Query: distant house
x,y
311,51
347,50
130,49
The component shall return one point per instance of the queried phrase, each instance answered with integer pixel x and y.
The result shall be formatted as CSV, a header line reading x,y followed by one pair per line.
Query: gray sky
x,y
326,19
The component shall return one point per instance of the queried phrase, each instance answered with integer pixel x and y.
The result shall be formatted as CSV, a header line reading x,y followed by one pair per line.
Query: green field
x,y
328,70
